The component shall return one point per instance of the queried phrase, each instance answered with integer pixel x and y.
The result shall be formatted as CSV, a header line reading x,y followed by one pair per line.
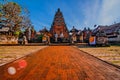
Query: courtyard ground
x,y
59,63
10,53
110,54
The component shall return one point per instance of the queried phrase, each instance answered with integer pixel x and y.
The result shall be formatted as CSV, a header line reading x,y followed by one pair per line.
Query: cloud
x,y
110,12
91,11
101,12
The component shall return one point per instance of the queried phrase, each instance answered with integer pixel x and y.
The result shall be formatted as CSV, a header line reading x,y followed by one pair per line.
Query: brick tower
x,y
58,26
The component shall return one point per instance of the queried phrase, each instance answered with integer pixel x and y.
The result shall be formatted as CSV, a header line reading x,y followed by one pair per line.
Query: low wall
x,y
8,39
116,39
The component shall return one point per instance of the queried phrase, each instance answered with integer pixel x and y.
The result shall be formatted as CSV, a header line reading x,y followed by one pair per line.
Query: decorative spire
x,y
58,9
73,27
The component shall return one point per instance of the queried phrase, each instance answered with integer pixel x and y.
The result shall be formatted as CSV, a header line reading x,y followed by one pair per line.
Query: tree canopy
x,y
14,16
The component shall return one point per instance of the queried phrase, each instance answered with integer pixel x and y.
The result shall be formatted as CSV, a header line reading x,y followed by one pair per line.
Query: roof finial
x,y
73,27
58,9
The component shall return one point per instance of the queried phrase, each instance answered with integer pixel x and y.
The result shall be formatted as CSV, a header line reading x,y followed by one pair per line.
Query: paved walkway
x,y
59,63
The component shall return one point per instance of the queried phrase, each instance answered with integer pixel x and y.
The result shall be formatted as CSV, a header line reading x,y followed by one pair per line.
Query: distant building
x,y
76,35
74,30
112,32
86,34
44,30
46,35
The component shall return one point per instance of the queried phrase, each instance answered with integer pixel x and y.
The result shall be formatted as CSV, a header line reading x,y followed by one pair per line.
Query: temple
x,y
58,26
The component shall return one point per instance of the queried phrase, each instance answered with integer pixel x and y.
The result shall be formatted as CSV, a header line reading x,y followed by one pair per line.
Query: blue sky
x,y
78,13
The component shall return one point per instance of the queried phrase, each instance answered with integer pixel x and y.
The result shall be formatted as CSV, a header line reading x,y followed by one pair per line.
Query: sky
x,y
78,13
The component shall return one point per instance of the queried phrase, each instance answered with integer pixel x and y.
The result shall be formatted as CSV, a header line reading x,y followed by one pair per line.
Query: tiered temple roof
x,y
109,29
58,25
73,29
44,30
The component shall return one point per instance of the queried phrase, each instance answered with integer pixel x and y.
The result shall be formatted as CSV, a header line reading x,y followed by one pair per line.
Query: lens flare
x,y
22,64
11,70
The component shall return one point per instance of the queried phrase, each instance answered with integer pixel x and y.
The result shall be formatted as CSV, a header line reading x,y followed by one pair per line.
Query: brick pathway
x,y
59,63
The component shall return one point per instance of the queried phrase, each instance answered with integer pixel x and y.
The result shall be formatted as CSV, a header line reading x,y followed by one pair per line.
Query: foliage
x,y
11,16
12,9
16,33
26,22
1,6
14,16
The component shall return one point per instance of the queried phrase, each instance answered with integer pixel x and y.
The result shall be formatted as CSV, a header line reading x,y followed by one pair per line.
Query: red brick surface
x,y
60,63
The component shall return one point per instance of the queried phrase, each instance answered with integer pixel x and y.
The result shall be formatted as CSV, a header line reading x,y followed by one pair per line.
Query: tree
x,y
1,14
10,16
26,22
14,16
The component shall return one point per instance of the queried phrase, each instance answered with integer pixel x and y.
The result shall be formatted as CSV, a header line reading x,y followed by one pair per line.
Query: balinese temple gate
x,y
59,29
